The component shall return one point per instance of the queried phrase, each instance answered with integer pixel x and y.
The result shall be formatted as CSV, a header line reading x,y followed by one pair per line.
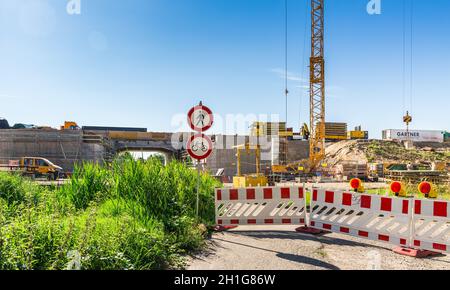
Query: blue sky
x,y
143,62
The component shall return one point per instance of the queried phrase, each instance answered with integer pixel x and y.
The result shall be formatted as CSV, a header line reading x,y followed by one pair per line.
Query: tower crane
x,y
317,85
316,131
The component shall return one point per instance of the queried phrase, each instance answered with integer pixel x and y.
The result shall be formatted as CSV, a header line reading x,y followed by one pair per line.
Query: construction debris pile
x,y
377,151
382,159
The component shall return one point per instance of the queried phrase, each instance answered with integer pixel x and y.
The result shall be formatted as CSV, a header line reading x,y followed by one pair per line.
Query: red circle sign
x,y
396,187
355,183
425,187
199,146
200,118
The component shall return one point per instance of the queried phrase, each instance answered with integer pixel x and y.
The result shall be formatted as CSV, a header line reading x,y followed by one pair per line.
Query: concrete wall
x,y
298,150
64,148
225,157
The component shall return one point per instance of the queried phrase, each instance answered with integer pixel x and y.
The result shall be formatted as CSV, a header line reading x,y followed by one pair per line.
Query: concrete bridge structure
x,y
69,147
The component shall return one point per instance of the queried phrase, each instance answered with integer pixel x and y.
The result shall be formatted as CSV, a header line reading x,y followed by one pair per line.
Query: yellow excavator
x,y
305,132
69,125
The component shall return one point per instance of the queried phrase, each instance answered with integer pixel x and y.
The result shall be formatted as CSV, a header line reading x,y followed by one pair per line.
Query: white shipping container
x,y
414,135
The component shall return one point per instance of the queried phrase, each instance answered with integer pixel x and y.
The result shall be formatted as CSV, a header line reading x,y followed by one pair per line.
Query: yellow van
x,y
36,166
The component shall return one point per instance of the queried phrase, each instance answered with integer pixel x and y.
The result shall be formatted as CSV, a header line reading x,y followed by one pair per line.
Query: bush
x,y
13,188
90,182
126,215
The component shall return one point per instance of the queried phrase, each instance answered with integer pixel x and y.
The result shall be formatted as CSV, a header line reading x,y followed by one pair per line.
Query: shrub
x,y
126,215
13,188
90,182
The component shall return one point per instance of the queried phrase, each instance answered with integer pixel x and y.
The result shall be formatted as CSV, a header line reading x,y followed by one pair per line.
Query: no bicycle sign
x,y
199,147
200,119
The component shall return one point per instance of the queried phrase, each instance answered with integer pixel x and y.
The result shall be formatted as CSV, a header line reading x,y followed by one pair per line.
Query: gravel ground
x,y
281,248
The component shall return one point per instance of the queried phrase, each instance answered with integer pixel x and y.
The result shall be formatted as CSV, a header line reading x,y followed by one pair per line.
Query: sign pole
x,y
198,182
199,147
198,189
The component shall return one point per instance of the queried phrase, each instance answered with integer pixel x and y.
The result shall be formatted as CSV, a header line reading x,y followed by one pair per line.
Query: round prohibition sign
x,y
199,146
200,118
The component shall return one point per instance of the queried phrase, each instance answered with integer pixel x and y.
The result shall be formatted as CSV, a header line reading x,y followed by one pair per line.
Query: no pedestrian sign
x,y
200,118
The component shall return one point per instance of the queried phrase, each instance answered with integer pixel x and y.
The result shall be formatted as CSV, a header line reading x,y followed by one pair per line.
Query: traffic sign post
x,y
200,118
199,146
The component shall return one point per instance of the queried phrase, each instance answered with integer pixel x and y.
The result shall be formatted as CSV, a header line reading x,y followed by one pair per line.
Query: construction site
x,y
306,180
346,155
321,151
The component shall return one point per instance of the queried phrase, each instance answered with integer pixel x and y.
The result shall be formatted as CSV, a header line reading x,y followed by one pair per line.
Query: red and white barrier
x,y
431,225
386,219
414,225
260,206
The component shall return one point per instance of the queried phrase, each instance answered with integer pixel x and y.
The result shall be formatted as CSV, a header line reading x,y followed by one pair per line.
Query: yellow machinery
x,y
292,168
305,132
335,138
358,134
263,129
35,167
286,134
280,169
288,172
69,125
251,180
335,132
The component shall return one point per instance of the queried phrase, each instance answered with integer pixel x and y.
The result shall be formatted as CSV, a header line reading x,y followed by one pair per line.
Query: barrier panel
x,y
431,225
260,206
412,224
378,218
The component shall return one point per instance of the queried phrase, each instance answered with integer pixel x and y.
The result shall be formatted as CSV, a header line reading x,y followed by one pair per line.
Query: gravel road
x,y
281,248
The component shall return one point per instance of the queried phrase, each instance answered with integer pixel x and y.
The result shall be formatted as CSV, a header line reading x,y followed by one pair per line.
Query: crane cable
x,y
286,91
302,86
408,107
412,58
404,58
408,104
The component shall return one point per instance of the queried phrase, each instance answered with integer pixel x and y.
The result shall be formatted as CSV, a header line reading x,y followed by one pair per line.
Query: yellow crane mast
x,y
317,85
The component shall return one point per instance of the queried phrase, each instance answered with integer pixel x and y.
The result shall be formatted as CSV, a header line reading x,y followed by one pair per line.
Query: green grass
x,y
377,151
125,215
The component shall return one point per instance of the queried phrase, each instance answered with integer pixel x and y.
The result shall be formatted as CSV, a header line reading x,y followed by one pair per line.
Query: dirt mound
x,y
377,151
345,151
